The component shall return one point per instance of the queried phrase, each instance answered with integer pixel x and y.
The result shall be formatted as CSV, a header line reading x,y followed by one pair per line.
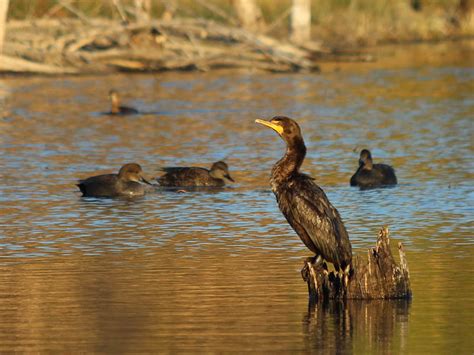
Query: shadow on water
x,y
378,326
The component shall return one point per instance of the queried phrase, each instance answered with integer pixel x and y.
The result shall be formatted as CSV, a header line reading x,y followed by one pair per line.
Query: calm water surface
x,y
219,270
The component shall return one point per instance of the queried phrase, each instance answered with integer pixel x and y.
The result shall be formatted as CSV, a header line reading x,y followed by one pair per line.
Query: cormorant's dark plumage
x,y
303,203
370,175
193,176
116,108
125,183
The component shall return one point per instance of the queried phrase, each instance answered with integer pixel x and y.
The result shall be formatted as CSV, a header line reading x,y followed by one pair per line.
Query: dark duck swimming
x,y
303,203
116,108
217,176
128,182
370,175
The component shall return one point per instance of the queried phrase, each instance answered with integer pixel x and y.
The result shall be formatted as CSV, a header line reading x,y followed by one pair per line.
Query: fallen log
x,y
18,65
378,277
66,46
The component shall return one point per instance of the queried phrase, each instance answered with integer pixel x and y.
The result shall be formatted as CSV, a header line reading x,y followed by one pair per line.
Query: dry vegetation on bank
x,y
334,22
73,36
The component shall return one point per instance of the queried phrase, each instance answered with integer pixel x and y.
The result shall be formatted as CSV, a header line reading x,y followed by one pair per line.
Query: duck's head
x,y
113,96
365,158
132,172
220,170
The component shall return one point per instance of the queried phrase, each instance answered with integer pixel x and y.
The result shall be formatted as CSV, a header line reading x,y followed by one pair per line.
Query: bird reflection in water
x,y
380,326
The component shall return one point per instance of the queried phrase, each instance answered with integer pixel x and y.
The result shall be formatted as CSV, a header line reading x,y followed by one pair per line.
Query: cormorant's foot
x,y
348,271
325,268
314,260
340,275
318,260
305,271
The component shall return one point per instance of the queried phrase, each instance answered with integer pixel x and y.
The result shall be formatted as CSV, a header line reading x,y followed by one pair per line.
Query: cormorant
x,y
116,109
370,175
193,176
126,183
303,203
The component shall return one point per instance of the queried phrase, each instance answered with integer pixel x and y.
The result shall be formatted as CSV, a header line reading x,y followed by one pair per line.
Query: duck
x,y
116,108
370,175
217,176
304,204
128,182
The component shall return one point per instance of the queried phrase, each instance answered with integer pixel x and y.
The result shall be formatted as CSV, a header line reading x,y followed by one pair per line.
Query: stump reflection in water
x,y
344,326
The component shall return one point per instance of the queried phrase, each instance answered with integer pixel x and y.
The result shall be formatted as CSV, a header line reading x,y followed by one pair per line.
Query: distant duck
x,y
116,109
128,182
217,176
370,175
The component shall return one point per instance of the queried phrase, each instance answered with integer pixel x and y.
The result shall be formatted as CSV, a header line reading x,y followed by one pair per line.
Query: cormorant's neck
x,y
291,162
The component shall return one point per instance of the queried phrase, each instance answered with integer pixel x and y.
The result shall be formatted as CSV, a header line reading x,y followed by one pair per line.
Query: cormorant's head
x,y
220,170
132,172
287,128
365,158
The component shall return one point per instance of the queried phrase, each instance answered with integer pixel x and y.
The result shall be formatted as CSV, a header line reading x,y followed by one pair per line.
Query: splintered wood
x,y
98,46
377,277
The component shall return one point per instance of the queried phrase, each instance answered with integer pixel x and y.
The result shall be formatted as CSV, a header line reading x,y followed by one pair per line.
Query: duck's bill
x,y
275,127
142,179
227,176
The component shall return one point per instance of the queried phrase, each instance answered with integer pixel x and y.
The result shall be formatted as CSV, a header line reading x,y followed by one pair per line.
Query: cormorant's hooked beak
x,y
277,128
227,176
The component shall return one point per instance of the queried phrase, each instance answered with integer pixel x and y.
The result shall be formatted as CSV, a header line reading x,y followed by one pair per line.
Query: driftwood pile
x,y
377,277
96,46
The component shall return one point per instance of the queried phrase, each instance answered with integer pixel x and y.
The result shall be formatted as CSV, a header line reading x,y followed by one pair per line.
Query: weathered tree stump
x,y
378,277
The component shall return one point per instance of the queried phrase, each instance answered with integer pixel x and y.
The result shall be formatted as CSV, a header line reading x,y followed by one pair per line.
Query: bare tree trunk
x,y
249,15
464,7
142,10
416,5
300,21
3,21
170,9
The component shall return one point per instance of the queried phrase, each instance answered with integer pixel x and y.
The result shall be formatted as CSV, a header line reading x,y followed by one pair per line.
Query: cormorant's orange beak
x,y
274,126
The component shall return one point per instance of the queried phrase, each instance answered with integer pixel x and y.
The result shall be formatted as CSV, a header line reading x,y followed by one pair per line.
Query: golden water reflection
x,y
219,271
379,326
